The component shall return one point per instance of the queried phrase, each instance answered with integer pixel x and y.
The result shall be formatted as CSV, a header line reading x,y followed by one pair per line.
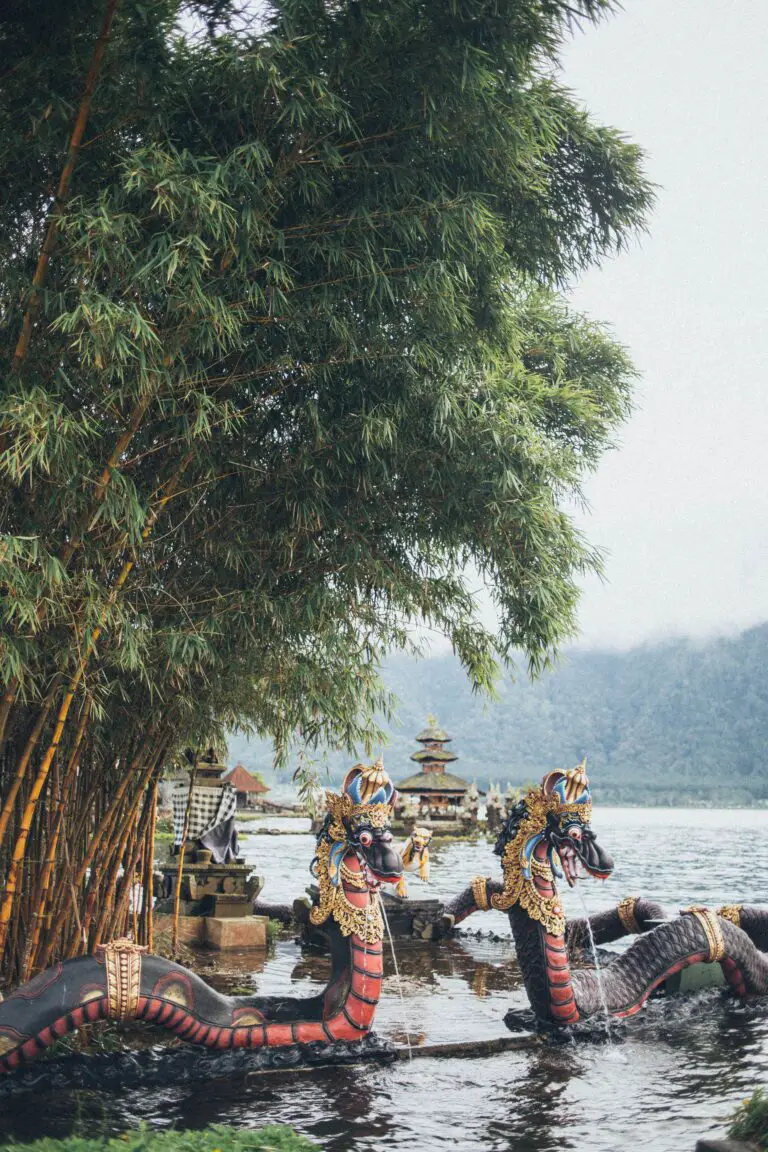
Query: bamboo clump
x,y
280,365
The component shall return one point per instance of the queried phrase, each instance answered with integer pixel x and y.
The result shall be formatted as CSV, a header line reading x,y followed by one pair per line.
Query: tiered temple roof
x,y
441,783
432,758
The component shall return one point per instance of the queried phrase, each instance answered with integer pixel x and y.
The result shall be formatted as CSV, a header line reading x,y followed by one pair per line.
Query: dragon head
x,y
355,854
364,812
553,822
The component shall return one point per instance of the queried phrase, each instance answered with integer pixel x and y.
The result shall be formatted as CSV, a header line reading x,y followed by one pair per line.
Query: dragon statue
x,y
354,857
548,835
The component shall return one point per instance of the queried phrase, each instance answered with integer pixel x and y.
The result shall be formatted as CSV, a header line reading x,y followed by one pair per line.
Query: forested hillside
x,y
679,722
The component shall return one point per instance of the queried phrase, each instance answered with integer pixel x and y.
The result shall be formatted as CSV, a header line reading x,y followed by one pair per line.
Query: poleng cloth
x,y
208,808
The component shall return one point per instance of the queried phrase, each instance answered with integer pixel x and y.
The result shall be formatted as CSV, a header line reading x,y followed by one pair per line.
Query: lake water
x,y
674,1074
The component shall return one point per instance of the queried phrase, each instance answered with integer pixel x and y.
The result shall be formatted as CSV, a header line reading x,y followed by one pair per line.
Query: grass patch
x,y
164,830
750,1121
217,1138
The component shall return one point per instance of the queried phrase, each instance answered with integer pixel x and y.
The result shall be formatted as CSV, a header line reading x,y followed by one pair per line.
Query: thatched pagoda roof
x,y
437,782
432,732
242,781
439,755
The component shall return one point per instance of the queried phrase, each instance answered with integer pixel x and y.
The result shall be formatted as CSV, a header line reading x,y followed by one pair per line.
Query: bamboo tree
x,y
42,774
338,321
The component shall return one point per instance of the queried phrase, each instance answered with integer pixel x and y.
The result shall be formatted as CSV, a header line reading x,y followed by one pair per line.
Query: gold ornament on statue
x,y
731,912
366,922
626,911
712,930
122,963
480,892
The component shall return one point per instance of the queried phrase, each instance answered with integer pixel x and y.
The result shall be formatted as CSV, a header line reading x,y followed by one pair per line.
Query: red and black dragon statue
x,y
548,835
354,857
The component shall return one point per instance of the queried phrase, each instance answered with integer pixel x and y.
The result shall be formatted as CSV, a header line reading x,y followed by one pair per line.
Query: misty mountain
x,y
681,721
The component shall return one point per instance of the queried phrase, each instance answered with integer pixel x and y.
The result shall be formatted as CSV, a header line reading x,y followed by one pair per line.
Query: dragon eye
x,y
574,831
366,839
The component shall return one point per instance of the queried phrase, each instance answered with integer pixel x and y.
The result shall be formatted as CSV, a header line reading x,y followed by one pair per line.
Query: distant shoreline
x,y
761,806
284,795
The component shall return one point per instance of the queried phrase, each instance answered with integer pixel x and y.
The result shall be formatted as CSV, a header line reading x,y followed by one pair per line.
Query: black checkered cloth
x,y
209,808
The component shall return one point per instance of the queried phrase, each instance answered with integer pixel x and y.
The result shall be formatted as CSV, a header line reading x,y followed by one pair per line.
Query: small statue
x,y
415,856
511,796
495,812
471,802
410,810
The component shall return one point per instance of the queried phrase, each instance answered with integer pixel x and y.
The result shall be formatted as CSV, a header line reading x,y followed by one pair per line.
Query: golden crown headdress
x,y
367,792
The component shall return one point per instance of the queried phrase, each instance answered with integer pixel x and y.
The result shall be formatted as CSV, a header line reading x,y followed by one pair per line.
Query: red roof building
x,y
248,787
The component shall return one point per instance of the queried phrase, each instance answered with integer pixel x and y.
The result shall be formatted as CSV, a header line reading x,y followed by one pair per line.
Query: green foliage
x,y
217,1138
306,277
164,830
750,1121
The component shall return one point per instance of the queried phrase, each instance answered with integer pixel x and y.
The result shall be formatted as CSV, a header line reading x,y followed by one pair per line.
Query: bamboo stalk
x,y
9,697
37,897
65,180
101,833
41,898
110,888
123,906
149,872
129,875
179,870
75,911
16,932
26,756
134,902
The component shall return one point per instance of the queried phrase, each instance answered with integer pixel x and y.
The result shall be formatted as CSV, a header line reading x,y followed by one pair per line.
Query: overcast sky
x,y
682,507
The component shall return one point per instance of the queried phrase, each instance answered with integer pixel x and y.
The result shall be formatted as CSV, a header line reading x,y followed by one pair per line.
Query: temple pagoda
x,y
439,793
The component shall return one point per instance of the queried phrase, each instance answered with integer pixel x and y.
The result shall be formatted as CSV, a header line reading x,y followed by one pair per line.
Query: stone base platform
x,y
224,932
219,932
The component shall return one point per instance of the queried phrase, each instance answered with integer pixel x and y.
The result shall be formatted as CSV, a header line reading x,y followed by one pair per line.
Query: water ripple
x,y
673,1075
